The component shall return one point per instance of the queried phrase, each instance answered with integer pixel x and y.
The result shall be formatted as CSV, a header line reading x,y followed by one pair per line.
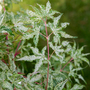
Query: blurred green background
x,y
77,13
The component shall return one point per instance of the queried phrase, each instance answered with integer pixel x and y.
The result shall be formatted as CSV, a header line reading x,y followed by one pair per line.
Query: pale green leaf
x,y
80,77
56,20
36,39
56,39
77,80
43,50
77,87
27,36
7,85
60,85
36,10
1,18
65,43
35,51
65,35
85,60
48,7
38,65
31,13
35,78
52,12
64,25
3,66
29,58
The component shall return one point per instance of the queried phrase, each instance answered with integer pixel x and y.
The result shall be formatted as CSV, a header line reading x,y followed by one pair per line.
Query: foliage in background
x,y
57,64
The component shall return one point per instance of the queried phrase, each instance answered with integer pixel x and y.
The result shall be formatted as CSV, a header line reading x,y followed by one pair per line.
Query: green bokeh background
x,y
77,13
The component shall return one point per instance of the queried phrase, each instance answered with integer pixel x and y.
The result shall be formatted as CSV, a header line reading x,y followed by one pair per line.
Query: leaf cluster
x,y
65,62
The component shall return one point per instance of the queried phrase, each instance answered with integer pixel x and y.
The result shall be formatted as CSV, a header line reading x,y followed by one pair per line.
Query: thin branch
x,y
16,38
7,49
47,51
17,48
66,64
47,77
43,35
51,54
4,7
50,34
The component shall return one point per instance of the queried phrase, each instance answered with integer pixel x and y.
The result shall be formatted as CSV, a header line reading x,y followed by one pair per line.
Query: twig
x,y
66,64
51,54
17,49
47,51
43,35
4,7
50,34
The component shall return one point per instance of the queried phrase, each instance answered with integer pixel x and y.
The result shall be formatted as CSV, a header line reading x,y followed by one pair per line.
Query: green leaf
x,y
51,83
27,36
68,85
43,10
64,25
77,87
38,65
60,85
48,7
3,66
5,29
35,51
80,77
56,20
29,58
35,78
85,60
43,50
65,35
52,12
65,43
31,13
36,39
7,85
56,39
36,10
2,18
77,80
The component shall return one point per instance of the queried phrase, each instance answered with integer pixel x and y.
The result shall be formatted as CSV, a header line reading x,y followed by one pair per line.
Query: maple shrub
x,y
58,62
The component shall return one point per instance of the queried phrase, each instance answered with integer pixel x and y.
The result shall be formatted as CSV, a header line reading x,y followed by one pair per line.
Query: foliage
x,y
57,65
